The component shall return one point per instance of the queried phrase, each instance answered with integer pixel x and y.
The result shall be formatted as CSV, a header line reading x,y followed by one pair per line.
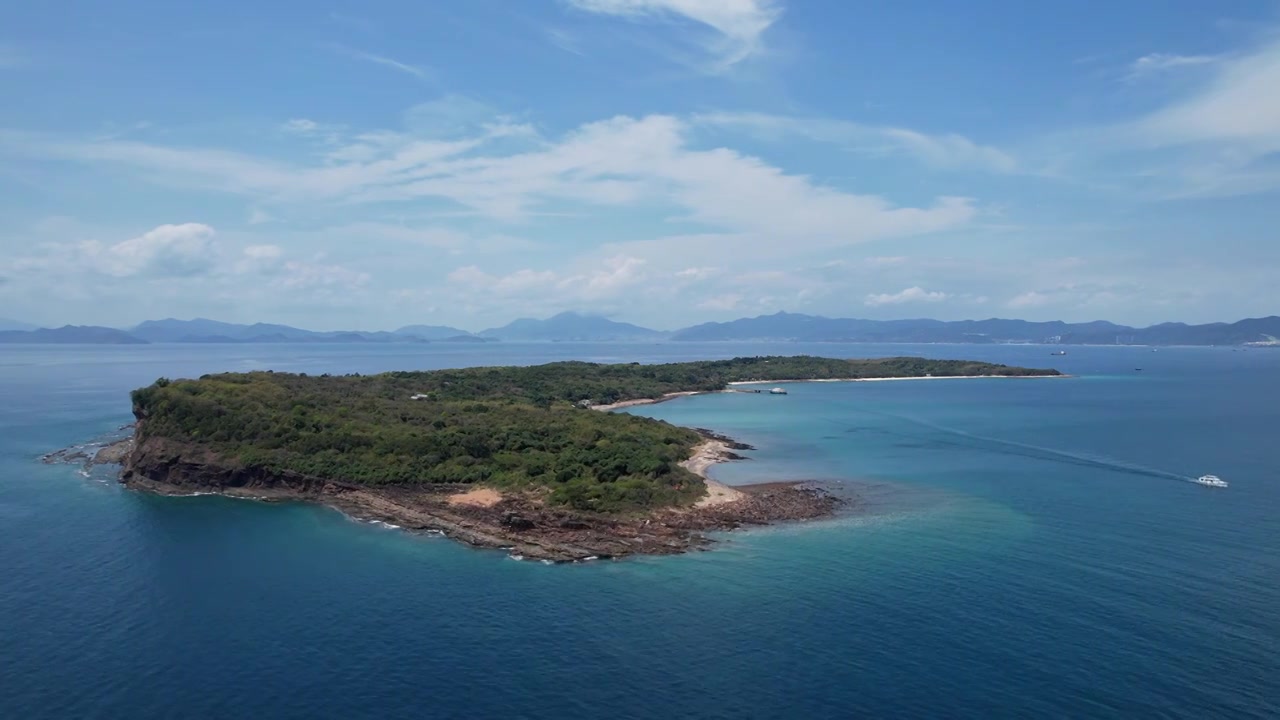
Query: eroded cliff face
x,y
190,466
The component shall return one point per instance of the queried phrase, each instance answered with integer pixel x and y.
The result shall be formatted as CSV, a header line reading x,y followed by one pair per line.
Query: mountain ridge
x,y
815,328
9,324
203,330
778,327
70,335
570,326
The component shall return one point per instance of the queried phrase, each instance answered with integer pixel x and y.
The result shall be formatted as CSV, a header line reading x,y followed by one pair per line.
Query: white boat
x,y
777,391
1211,481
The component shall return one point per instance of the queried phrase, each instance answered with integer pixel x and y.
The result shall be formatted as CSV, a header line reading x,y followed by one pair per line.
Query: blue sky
x,y
665,162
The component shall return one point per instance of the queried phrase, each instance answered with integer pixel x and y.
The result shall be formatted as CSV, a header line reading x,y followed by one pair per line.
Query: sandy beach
x,y
715,450
894,379
710,452
645,401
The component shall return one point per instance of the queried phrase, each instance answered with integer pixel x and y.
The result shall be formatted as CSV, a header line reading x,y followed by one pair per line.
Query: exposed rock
x,y
728,441
109,450
521,523
516,521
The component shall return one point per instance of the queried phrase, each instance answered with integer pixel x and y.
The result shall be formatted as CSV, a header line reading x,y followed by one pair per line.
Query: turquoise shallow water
x,y
1020,548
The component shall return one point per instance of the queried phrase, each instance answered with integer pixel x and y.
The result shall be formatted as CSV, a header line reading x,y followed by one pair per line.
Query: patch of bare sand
x,y
645,401
477,497
704,456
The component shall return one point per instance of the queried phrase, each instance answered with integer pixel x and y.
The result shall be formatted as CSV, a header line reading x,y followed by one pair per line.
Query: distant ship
x,y
1058,352
777,391
1211,481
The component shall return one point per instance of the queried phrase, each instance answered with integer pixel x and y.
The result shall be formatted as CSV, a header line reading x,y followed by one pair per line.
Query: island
x,y
518,458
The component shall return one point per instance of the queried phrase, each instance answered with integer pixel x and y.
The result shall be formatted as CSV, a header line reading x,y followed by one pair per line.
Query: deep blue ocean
x,y
1017,548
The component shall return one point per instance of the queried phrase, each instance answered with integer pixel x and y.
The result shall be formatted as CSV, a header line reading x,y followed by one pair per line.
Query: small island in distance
x,y
507,457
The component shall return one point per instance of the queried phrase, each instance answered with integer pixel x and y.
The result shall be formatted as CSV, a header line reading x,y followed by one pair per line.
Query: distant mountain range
x,y
71,334
7,324
780,327
201,330
570,326
813,328
433,332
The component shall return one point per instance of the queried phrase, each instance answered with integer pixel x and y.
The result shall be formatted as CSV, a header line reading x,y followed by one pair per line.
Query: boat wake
x,y
1039,452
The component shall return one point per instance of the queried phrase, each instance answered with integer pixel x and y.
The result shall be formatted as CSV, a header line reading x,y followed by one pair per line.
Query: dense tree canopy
x,y
502,426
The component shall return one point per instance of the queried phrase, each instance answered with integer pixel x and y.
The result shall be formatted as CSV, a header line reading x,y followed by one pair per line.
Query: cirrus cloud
x,y
737,25
618,162
1156,63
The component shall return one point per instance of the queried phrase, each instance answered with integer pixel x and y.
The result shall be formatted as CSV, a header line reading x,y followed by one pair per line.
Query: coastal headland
x,y
517,458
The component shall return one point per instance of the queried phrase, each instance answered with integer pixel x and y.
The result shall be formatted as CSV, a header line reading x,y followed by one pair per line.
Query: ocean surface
x,y
1016,548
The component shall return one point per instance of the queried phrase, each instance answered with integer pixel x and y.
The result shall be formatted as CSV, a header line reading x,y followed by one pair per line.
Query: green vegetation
x,y
506,427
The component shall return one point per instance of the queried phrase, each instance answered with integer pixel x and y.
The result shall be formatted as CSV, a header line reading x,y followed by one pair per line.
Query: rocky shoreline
x,y
517,522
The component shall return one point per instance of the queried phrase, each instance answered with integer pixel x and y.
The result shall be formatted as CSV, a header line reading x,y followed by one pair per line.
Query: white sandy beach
x,y
704,456
712,451
888,379
645,401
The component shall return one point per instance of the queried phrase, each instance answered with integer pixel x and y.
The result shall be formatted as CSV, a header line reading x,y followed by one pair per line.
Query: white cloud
x,y
434,236
697,273
1217,133
302,126
722,303
417,71
564,40
1029,299
909,295
738,25
248,175
452,116
608,280
1157,63
1239,104
617,275
183,253
260,259
1219,139
948,151
300,275
173,270
622,161
1102,293
518,283
884,261
168,250
262,252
